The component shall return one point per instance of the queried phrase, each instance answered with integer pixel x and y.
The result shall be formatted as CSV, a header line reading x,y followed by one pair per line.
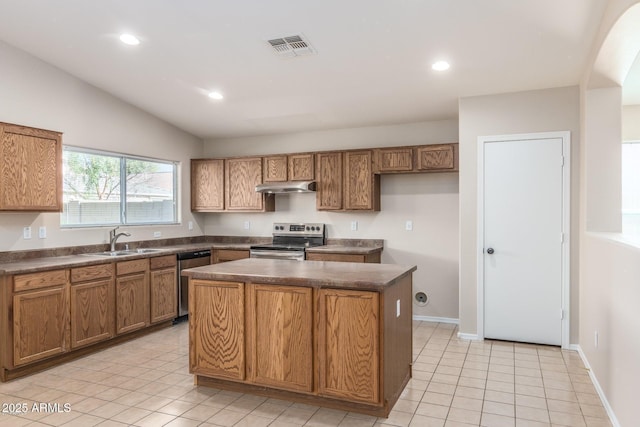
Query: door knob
x,y
490,251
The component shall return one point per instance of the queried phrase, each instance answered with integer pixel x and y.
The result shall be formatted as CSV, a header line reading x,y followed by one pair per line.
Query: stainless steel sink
x,y
123,253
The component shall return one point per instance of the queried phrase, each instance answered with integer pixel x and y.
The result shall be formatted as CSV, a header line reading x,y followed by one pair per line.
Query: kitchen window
x,y
631,188
101,188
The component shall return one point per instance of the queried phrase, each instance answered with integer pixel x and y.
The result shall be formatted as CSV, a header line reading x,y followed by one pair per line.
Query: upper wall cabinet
x,y
30,169
275,168
422,158
292,167
241,177
329,186
301,167
361,186
207,185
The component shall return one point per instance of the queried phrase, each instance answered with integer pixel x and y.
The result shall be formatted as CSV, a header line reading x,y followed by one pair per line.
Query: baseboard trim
x,y
470,337
596,384
436,319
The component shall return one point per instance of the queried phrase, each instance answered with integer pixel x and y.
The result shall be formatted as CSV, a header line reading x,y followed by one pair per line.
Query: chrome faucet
x,y
113,237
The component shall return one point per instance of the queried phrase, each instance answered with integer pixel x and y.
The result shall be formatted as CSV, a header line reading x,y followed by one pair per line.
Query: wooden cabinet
x,y
329,185
416,159
301,167
361,186
394,159
30,169
224,255
279,336
275,168
342,257
207,185
349,345
241,177
216,329
436,158
40,316
132,295
92,304
163,294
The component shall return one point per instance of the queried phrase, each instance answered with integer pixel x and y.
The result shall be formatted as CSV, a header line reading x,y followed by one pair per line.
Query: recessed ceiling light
x,y
440,66
215,95
129,39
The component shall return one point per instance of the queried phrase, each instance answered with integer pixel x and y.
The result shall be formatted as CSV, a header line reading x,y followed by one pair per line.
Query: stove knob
x,y
308,228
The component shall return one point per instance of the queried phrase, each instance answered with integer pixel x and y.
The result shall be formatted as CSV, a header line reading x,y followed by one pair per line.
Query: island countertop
x,y
308,273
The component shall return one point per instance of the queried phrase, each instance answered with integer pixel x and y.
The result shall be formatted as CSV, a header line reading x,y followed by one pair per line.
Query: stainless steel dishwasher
x,y
189,260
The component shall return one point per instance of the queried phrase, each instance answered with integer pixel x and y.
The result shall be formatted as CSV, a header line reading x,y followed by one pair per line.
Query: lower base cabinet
x,y
40,324
348,345
132,295
279,336
163,292
341,257
92,304
342,348
216,329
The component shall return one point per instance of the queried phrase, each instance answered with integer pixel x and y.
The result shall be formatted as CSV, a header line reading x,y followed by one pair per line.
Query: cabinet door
x,y
394,159
301,167
436,157
216,329
361,186
275,168
40,324
279,336
207,185
92,312
132,302
329,185
242,175
30,169
348,345
164,294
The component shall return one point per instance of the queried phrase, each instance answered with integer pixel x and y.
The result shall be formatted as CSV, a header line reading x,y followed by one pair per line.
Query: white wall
x,y
523,112
631,123
34,93
429,200
609,268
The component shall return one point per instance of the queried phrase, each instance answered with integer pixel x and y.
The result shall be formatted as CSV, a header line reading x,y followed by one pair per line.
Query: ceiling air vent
x,y
291,46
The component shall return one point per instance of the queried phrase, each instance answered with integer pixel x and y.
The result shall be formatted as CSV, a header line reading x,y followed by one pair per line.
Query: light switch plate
x,y
408,225
26,233
42,232
190,225
157,234
354,225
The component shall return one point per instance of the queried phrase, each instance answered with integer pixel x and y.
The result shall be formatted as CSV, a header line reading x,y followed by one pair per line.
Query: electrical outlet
x,y
190,225
26,233
247,225
595,339
42,232
354,225
157,234
408,225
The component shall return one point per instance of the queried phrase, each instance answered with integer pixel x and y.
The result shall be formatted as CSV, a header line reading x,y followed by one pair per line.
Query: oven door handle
x,y
277,255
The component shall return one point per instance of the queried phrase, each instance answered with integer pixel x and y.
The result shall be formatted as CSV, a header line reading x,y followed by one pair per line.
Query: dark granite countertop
x,y
308,273
29,262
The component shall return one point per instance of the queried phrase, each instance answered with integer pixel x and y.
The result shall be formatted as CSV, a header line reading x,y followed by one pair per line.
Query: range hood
x,y
287,187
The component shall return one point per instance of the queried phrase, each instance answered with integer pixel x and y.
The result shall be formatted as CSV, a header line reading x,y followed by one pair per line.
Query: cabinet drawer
x,y
135,266
162,262
83,274
45,279
224,255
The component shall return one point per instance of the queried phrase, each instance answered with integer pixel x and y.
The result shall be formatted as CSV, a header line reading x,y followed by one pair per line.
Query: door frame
x,y
566,226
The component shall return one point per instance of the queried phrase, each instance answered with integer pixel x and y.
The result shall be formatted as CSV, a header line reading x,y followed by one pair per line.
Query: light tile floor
x,y
455,383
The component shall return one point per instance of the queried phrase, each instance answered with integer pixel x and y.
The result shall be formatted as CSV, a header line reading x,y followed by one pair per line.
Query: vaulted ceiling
x,y
371,60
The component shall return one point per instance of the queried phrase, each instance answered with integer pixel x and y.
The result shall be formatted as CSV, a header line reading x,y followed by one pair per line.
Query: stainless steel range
x,y
290,241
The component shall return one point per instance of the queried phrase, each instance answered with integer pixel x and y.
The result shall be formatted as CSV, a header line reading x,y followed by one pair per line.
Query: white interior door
x,y
523,225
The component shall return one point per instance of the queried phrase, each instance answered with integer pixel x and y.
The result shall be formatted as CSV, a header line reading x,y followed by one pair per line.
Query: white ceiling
x,y
373,61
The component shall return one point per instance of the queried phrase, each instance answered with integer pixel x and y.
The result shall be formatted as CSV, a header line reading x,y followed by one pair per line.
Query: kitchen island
x,y
325,333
